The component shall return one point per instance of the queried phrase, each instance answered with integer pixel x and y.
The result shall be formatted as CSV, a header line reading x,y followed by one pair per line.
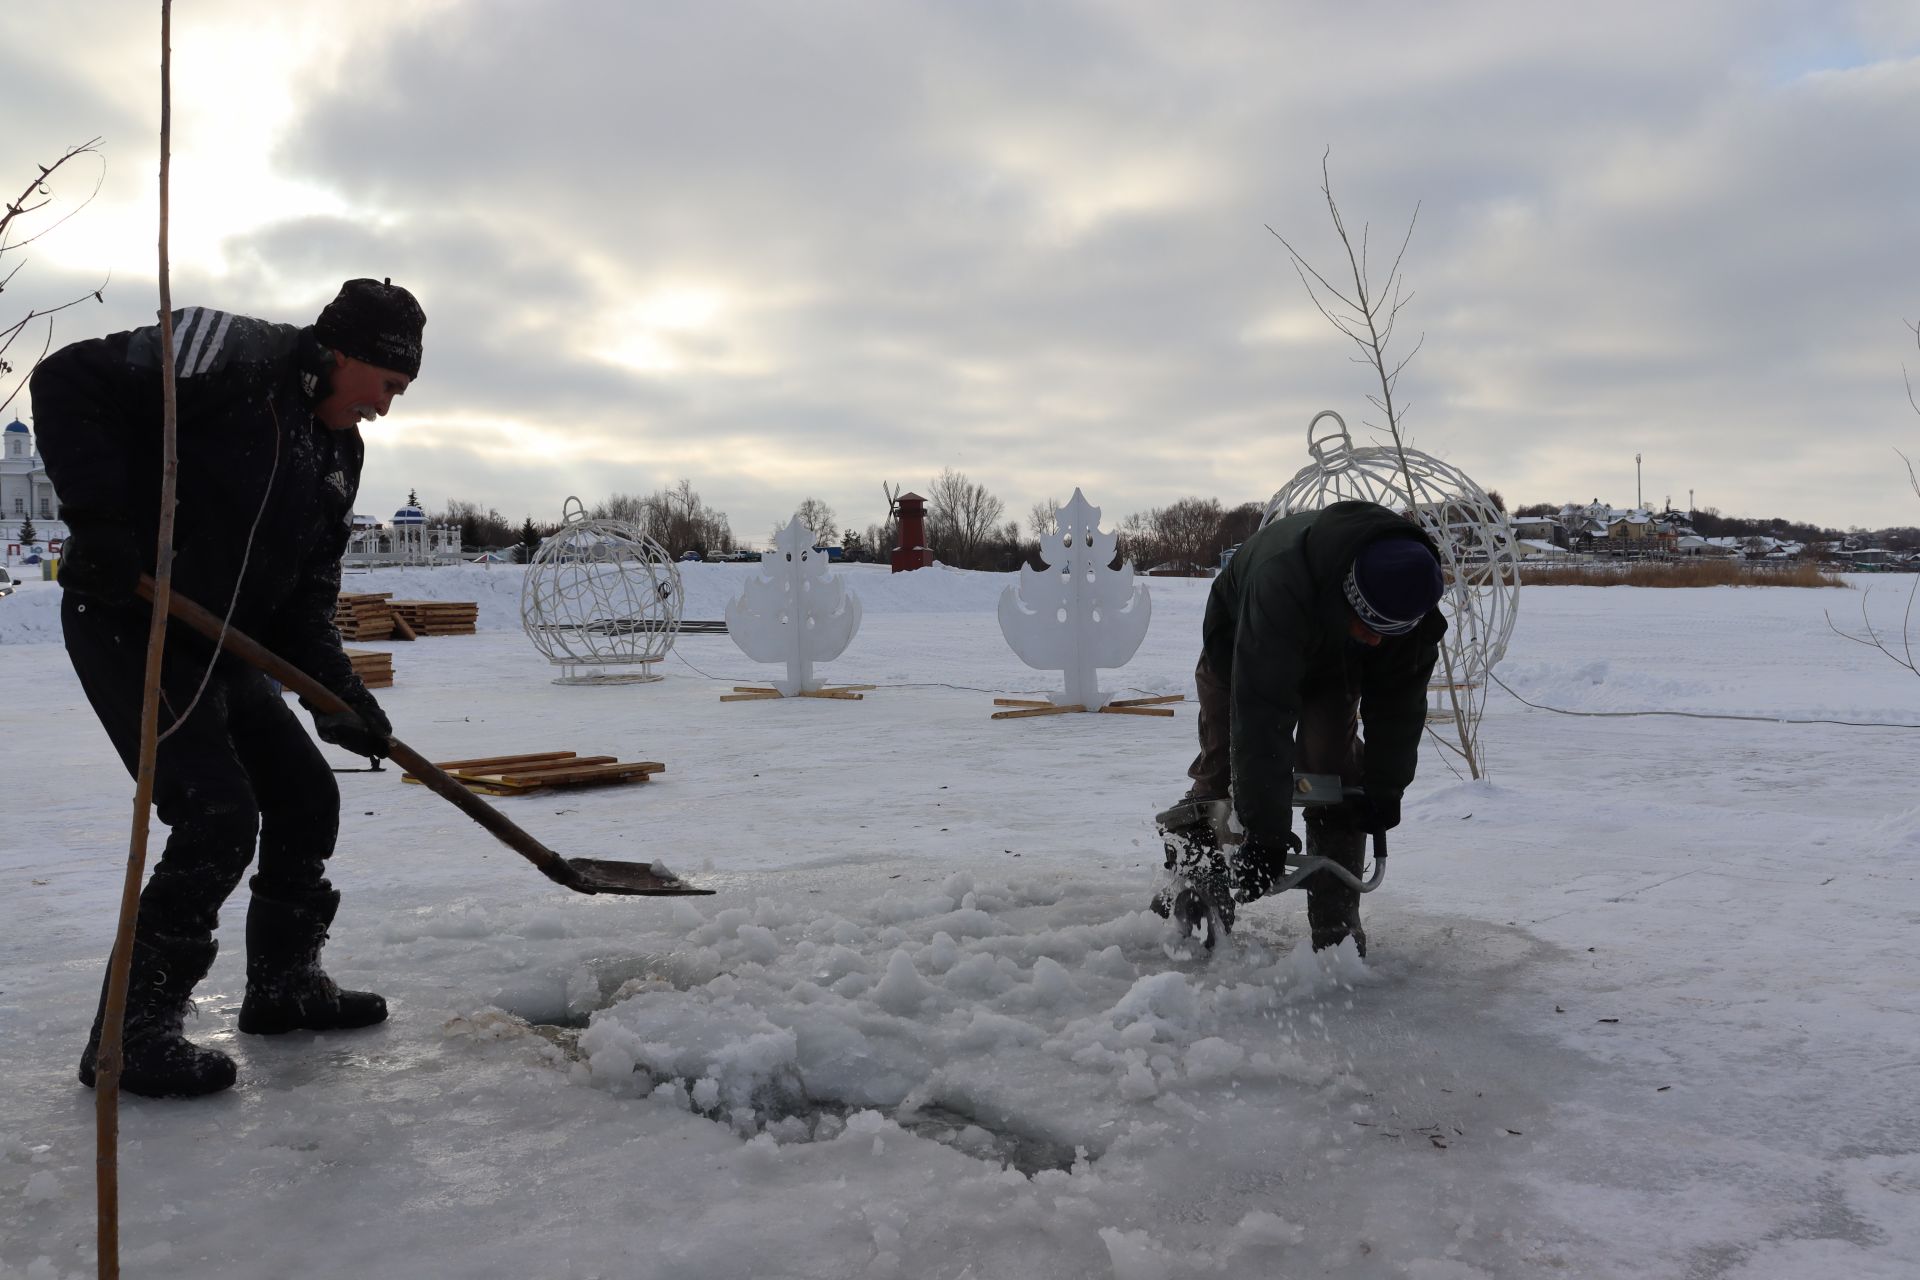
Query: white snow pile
x,y
942,1003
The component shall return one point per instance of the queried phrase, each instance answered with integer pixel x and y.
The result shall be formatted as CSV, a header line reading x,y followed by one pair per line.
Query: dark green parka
x,y
1277,624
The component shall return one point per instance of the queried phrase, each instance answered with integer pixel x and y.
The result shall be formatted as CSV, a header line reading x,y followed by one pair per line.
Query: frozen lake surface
x,y
1643,1004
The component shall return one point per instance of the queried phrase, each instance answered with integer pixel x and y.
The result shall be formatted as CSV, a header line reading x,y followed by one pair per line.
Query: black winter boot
x,y
287,990
156,1060
1333,907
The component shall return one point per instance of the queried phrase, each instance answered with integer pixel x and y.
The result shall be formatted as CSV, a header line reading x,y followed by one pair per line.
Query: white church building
x,y
26,495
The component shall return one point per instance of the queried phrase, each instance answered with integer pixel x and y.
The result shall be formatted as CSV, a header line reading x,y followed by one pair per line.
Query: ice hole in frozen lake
x,y
783,1106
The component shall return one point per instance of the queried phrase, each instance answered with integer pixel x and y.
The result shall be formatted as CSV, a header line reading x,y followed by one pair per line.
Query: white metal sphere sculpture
x,y
1476,544
601,595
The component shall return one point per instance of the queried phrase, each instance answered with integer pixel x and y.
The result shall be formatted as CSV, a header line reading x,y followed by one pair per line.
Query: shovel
x,y
582,875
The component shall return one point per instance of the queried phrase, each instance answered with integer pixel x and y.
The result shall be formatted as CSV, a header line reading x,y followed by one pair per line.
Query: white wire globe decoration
x,y
599,596
1477,550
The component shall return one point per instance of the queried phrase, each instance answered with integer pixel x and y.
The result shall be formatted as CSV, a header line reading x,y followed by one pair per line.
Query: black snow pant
x,y
1326,740
239,771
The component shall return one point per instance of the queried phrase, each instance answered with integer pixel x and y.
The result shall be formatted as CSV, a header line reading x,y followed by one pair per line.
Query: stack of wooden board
x,y
438,617
364,617
522,774
373,666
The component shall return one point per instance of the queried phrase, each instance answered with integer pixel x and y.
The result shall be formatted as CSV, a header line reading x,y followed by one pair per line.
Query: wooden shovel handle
x,y
254,654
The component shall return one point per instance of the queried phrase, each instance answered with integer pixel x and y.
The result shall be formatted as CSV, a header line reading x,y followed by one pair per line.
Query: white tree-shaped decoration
x,y
1078,614
601,594
793,612
1477,552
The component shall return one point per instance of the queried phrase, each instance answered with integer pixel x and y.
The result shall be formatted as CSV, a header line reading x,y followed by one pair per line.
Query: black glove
x,y
364,730
101,560
1269,848
1260,862
1370,813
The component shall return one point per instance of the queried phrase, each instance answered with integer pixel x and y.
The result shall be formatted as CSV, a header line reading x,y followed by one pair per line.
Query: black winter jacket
x,y
1276,624
249,447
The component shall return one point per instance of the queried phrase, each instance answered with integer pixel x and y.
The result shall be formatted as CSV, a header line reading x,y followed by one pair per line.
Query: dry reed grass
x,y
1668,573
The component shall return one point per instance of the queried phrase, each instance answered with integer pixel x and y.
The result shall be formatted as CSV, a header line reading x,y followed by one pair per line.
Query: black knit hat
x,y
1393,584
375,321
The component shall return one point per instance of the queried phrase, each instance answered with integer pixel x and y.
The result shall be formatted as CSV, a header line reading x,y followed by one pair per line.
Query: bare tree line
x,y
965,530
675,517
965,527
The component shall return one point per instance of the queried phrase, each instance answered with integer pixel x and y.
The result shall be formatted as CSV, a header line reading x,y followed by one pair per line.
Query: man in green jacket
x,y
1323,623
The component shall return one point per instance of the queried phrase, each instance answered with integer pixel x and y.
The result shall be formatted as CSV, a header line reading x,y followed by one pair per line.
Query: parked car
x,y
6,583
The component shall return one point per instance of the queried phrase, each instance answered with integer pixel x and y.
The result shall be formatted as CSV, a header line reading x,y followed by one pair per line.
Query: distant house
x,y
1630,528
1546,529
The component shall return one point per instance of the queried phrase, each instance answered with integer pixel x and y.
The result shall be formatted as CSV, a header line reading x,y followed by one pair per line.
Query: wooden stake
x,y
1148,702
1121,709
106,1099
450,765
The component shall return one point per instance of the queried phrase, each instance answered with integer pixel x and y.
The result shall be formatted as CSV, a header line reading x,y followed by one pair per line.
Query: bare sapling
x,y
1367,314
1898,651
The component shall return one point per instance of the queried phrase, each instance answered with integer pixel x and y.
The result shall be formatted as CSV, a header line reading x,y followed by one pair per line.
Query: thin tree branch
x,y
20,207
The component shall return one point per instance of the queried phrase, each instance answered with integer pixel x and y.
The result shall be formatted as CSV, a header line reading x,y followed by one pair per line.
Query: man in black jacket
x,y
1322,623
269,463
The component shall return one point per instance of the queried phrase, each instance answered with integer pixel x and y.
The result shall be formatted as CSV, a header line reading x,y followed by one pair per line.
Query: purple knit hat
x,y
1393,584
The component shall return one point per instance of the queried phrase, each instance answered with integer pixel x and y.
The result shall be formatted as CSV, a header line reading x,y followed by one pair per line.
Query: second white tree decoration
x,y
1077,615
793,612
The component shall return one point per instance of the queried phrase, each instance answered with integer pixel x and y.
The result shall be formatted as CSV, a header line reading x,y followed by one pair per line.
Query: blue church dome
x,y
16,425
409,515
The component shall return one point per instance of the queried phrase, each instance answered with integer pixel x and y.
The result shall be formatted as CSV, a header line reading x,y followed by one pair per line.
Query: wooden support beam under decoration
x,y
762,693
1027,707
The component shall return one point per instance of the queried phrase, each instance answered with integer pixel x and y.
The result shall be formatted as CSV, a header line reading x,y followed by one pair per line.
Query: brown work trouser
x,y
1326,738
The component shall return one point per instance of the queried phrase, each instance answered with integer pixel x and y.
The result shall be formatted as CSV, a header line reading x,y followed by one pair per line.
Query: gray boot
x,y
156,1060
287,990
1333,906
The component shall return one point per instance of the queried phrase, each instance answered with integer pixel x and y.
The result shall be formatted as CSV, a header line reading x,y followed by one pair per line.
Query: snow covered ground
x,y
1644,1004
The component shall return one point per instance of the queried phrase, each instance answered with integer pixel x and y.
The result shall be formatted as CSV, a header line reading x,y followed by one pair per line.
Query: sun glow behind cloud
x,y
651,335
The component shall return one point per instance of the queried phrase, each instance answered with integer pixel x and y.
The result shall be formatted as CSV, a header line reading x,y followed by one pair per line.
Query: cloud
x,y
793,251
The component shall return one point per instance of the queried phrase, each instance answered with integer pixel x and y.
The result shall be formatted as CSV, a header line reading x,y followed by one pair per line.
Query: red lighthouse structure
x,y
912,552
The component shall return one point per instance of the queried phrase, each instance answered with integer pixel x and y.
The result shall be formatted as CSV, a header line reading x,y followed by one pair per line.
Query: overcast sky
x,y
793,250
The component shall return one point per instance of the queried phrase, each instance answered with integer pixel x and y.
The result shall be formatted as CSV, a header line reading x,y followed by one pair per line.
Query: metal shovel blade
x,y
633,879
